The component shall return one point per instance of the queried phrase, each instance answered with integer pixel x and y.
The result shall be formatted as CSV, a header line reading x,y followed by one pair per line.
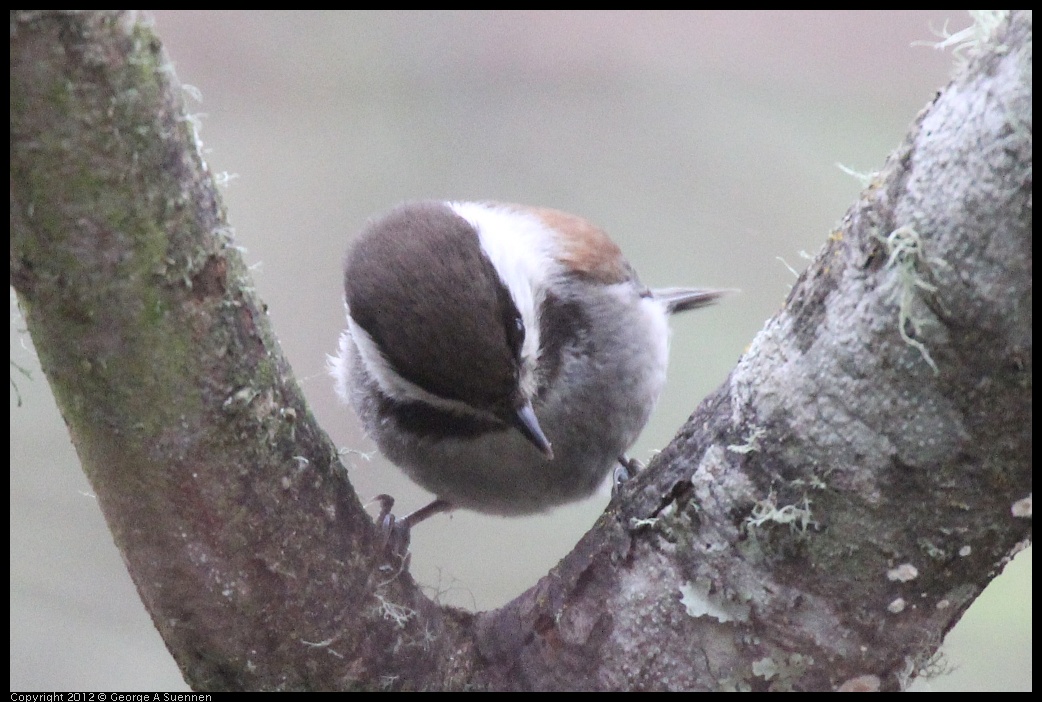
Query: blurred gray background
x,y
706,143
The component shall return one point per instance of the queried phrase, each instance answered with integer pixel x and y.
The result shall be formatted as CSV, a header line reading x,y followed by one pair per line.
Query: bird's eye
x,y
516,333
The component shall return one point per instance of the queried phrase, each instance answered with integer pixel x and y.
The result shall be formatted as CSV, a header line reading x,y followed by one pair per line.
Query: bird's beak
x,y
528,425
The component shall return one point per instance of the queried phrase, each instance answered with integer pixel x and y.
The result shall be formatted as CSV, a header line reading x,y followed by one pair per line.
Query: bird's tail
x,y
682,299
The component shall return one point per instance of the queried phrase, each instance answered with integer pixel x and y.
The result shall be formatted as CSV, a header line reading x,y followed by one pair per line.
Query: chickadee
x,y
504,357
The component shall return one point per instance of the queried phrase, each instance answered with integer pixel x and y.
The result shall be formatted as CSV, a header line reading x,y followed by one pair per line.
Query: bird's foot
x,y
395,533
626,470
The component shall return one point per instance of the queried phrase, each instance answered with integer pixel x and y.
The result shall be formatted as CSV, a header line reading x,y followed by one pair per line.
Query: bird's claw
x,y
626,469
394,532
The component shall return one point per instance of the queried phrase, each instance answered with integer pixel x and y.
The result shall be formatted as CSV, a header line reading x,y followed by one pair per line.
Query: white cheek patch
x,y
387,378
391,384
520,248
343,366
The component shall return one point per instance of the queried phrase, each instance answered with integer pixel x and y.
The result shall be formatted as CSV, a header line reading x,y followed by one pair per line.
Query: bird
x,y
503,356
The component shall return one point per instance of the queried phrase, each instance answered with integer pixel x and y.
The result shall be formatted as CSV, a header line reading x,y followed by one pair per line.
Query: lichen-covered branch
x,y
227,502
828,514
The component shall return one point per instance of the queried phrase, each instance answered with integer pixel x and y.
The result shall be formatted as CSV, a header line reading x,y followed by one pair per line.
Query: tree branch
x,y
823,518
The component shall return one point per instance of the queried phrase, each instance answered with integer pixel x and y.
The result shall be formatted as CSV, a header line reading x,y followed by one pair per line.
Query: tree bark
x,y
822,520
